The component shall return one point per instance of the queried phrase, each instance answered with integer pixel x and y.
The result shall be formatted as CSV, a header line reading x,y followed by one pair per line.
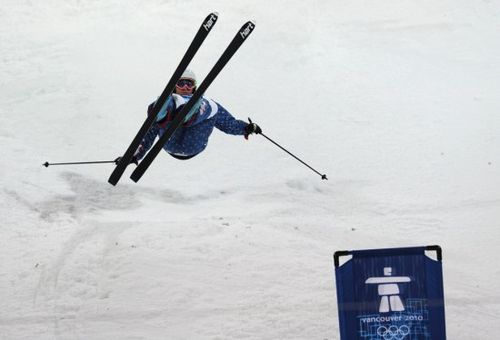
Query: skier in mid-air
x,y
191,138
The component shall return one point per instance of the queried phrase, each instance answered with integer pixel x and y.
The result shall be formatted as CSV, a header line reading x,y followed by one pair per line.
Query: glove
x,y
134,160
252,128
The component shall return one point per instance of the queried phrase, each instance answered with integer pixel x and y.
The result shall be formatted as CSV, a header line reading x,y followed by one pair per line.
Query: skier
x,y
191,138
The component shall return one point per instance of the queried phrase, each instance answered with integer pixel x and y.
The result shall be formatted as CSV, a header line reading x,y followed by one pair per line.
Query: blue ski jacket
x,y
191,137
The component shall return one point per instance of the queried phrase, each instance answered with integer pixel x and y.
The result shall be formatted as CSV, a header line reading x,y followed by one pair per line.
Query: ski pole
x,y
323,176
46,164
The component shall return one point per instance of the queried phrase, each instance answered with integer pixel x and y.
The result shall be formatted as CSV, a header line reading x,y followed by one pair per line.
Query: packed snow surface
x,y
395,100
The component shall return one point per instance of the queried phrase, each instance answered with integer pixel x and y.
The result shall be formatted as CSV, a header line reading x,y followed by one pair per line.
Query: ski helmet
x,y
189,74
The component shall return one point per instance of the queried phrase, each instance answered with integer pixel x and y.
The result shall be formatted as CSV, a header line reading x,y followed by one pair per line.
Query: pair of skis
x,y
200,36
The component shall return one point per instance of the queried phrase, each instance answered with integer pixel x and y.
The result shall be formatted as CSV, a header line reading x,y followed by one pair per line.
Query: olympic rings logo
x,y
393,332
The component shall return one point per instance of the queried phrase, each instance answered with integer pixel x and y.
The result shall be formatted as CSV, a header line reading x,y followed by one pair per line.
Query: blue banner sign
x,y
390,294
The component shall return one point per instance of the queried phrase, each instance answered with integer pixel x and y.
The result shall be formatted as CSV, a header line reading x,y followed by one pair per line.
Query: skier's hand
x,y
150,108
252,128
133,160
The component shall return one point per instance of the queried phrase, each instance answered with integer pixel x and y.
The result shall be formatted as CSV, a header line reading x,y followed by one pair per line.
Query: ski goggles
x,y
185,82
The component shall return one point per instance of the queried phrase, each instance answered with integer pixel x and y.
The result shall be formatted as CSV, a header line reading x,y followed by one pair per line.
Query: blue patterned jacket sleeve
x,y
228,124
147,141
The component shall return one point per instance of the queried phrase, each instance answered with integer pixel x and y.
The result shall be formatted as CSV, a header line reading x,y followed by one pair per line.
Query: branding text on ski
x,y
210,22
247,30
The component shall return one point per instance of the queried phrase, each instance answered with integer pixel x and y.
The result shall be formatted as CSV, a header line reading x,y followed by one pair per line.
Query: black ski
x,y
200,36
237,41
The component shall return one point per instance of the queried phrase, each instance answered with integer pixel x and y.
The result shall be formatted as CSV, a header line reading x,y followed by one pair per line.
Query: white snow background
x,y
395,100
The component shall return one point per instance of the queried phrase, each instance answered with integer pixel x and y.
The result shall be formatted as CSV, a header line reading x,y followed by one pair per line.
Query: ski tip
x,y
210,21
215,13
250,23
246,29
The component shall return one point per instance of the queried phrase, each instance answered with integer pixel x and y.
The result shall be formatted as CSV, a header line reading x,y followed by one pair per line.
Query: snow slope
x,y
396,101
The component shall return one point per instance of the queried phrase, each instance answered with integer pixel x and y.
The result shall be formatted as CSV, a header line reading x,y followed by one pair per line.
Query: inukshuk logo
x,y
388,290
